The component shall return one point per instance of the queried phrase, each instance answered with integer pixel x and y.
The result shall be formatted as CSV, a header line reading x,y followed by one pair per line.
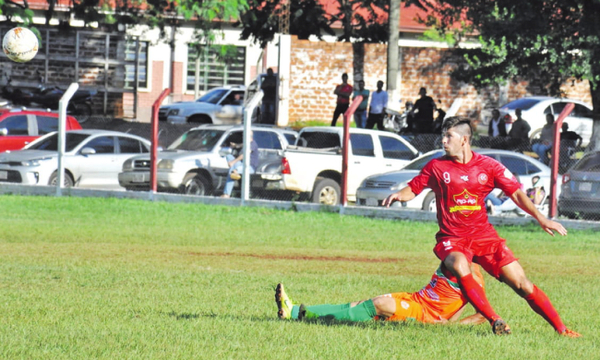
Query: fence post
x,y
248,111
63,103
555,158
346,139
154,135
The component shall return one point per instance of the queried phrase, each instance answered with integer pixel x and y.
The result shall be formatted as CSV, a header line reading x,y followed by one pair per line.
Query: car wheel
x,y
194,184
429,204
67,181
326,192
200,119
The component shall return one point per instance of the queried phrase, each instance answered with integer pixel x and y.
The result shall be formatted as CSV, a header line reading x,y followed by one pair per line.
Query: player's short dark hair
x,y
457,121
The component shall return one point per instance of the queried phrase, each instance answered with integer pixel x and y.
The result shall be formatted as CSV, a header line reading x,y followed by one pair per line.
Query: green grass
x,y
123,279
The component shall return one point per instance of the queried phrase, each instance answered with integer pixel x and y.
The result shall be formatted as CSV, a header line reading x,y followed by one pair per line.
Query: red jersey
x,y
460,190
346,90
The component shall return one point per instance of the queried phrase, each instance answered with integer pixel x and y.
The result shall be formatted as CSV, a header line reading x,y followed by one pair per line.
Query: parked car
x,y
19,127
376,188
312,168
535,108
194,164
580,195
92,159
222,105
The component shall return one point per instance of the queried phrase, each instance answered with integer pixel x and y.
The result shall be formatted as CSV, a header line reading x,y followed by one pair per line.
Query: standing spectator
x,y
497,126
519,132
343,92
423,113
360,115
269,88
379,100
546,140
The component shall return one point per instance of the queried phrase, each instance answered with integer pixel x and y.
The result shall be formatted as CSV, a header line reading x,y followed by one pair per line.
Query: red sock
x,y
476,296
540,303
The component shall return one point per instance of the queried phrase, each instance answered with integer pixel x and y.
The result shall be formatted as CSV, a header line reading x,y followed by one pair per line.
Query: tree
x,y
153,13
361,20
543,41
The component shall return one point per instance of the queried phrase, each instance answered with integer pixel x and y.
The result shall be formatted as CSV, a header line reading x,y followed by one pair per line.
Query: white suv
x,y
222,105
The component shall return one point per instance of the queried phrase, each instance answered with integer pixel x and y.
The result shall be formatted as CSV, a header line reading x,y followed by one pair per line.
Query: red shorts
x,y
491,253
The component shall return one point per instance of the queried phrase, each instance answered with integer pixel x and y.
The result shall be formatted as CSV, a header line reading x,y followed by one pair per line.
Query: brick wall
x,y
316,68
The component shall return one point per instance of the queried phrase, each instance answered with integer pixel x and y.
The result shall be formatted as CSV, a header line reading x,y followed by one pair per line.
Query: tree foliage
x,y
206,15
545,41
360,20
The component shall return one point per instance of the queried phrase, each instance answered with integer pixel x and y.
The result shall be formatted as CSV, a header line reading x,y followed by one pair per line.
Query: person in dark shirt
x,y
423,113
569,135
269,88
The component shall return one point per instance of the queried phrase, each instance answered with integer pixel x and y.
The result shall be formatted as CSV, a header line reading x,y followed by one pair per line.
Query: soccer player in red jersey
x,y
440,301
461,180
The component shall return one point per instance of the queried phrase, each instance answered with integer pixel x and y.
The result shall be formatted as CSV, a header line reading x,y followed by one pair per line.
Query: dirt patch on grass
x,y
302,257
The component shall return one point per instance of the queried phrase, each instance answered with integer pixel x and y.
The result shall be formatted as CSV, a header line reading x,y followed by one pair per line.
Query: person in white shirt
x,y
379,100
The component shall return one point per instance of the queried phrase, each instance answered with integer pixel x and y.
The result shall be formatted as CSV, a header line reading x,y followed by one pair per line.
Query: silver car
x,y
376,188
580,195
222,105
92,159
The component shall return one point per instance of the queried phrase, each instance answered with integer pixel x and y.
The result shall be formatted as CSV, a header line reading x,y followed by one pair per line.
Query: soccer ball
x,y
20,44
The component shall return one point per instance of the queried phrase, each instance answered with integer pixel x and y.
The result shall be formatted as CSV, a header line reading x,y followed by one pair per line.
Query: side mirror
x,y
87,151
225,151
3,132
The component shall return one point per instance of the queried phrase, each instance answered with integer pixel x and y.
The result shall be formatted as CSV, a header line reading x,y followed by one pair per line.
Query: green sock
x,y
327,309
362,312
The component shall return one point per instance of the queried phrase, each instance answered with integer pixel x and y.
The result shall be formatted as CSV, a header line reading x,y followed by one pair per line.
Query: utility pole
x,y
284,65
392,55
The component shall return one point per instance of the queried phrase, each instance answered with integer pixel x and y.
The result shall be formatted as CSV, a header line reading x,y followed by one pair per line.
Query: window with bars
x,y
211,72
130,50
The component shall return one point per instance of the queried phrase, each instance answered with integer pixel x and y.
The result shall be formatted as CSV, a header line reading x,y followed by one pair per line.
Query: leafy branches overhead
x,y
546,41
206,15
360,20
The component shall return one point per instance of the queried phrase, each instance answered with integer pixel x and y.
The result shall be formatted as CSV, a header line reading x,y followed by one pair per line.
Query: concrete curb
x,y
378,213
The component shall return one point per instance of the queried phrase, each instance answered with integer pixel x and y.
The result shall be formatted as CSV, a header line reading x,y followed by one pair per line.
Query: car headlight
x,y
33,162
166,164
30,163
128,165
173,111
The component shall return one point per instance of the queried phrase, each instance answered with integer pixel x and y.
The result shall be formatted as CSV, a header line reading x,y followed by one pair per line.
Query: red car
x,y
19,127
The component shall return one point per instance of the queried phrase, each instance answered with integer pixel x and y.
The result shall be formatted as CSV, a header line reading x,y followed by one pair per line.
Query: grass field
x,y
85,278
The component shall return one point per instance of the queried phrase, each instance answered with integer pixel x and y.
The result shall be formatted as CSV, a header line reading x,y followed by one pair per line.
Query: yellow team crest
x,y
466,203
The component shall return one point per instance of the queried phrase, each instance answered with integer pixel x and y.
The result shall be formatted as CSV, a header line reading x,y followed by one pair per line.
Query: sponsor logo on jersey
x,y
404,305
482,178
464,178
466,203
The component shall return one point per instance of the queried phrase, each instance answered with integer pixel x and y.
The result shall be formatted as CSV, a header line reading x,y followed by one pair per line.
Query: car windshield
x,y
590,163
420,162
51,142
523,104
197,140
212,96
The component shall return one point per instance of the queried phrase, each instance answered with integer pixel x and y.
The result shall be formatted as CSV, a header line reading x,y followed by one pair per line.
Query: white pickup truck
x,y
313,166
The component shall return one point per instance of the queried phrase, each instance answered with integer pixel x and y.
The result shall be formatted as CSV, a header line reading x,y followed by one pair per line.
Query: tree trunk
x,y
358,62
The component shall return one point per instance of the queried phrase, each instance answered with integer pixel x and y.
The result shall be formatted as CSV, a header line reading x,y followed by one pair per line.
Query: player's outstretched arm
x,y
405,194
525,203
